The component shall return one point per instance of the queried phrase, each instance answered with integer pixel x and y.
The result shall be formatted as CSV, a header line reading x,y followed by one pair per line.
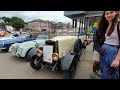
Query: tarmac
x,y
84,67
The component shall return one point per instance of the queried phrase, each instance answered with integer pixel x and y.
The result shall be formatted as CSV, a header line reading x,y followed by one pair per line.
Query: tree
x,y
3,18
9,23
7,20
3,25
13,19
17,24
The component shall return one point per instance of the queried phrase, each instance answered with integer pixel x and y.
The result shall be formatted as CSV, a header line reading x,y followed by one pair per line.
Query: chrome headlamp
x,y
39,53
20,50
3,44
11,48
55,56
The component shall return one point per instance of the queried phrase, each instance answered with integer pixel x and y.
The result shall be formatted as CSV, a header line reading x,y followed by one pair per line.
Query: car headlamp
x,y
11,48
55,56
39,53
3,44
20,49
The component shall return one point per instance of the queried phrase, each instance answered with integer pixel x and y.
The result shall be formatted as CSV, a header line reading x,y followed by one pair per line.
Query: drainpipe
x,y
73,23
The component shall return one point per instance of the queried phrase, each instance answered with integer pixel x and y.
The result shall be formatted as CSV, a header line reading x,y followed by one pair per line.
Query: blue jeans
x,y
106,60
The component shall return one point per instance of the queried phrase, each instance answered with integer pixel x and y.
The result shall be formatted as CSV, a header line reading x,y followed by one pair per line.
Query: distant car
x,y
22,49
9,36
5,44
3,33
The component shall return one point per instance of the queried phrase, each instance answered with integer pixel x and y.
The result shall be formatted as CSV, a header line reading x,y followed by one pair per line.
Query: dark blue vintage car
x,y
5,44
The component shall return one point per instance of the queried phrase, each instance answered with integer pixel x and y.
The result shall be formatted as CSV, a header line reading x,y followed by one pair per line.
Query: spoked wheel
x,y
35,62
71,72
77,46
85,43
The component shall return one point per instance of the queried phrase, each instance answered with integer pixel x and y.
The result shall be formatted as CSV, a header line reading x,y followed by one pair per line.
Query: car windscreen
x,y
22,35
42,37
8,35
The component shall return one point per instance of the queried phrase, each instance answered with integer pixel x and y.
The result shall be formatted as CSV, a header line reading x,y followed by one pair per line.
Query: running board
x,y
83,52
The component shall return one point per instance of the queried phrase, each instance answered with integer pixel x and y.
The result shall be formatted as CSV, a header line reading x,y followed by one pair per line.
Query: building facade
x,y
39,25
85,18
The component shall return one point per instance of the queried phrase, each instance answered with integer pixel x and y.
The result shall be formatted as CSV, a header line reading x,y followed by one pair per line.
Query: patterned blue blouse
x,y
98,41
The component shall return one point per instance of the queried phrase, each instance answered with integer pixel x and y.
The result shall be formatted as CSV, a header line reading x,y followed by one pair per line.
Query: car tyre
x,y
77,46
35,59
27,55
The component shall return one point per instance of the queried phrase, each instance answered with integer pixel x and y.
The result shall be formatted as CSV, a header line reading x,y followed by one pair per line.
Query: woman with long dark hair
x,y
107,43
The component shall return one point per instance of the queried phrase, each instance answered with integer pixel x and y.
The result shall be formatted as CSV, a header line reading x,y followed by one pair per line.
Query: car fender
x,y
25,50
32,52
66,61
13,45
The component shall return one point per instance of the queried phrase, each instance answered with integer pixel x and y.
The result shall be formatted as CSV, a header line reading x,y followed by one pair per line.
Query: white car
x,y
22,49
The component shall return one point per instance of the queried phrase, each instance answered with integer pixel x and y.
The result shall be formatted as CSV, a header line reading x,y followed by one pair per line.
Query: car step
x,y
82,54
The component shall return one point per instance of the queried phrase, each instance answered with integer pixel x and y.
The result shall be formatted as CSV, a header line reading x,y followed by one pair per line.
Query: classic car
x,y
5,44
22,49
3,33
9,36
60,53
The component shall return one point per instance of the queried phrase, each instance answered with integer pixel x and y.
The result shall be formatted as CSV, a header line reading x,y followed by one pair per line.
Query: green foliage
x,y
2,24
14,21
3,18
18,23
9,23
7,20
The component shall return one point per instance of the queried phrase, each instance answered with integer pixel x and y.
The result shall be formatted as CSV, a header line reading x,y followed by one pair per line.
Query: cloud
x,y
57,16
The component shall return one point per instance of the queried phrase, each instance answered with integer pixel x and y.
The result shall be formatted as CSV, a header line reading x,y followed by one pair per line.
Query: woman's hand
x,y
115,63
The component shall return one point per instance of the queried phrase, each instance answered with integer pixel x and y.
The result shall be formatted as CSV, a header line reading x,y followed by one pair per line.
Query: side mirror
x,y
36,45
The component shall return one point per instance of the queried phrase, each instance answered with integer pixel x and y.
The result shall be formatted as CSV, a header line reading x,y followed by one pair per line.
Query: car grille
x,y
49,42
15,49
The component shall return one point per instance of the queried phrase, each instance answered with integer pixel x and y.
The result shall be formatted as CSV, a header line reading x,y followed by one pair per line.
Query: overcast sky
x,y
57,16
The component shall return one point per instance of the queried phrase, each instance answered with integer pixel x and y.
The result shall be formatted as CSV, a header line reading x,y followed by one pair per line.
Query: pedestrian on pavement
x,y
107,43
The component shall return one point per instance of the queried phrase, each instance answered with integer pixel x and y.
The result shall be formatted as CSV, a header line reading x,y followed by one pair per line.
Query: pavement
x,y
84,67
12,67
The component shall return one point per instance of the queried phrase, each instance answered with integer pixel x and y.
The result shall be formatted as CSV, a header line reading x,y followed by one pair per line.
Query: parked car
x,y
5,44
3,33
60,53
22,49
9,36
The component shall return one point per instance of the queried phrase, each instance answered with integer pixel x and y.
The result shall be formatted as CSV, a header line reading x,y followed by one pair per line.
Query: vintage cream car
x,y
59,53
22,49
